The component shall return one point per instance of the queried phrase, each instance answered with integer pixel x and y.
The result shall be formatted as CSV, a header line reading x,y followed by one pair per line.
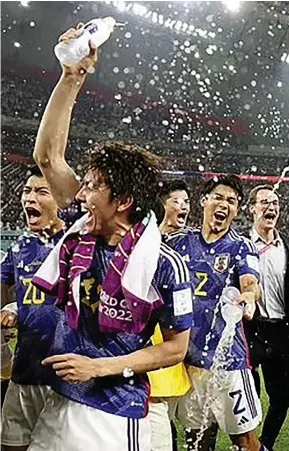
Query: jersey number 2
x,y
203,276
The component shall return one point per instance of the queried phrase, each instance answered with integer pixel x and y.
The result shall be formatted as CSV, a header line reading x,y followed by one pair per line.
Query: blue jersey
x,y
17,269
214,266
71,214
120,395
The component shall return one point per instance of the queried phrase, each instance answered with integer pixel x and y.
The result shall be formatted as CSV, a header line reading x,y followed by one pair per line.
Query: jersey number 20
x,y
32,295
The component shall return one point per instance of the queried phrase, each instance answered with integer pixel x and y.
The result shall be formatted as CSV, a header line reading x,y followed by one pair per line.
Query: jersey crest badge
x,y
221,263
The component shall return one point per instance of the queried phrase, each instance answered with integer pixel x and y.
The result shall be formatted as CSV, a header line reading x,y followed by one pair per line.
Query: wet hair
x,y
129,170
233,181
253,193
169,186
34,171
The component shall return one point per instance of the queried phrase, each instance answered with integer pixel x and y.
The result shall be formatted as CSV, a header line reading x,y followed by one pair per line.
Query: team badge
x,y
221,263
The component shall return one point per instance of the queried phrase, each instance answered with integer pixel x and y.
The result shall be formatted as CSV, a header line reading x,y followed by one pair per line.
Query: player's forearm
x,y
49,152
148,359
253,288
54,128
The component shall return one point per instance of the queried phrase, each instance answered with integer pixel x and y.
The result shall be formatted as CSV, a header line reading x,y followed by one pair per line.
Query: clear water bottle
x,y
97,31
231,312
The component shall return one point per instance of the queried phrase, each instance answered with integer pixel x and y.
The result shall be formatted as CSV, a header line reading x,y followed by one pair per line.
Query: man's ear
x,y
251,209
203,200
124,203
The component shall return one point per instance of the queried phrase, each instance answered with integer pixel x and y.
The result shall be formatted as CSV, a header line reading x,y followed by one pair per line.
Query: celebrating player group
x,y
119,304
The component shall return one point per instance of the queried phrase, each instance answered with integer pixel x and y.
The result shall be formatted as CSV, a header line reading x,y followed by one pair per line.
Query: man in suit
x,y
268,333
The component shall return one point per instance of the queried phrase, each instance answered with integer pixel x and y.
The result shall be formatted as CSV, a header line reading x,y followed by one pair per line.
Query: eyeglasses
x,y
266,203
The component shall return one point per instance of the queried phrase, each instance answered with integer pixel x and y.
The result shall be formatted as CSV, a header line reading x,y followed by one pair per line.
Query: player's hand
x,y
74,367
8,319
250,307
86,64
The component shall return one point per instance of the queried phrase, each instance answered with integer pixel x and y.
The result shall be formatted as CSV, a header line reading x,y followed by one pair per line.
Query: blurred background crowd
x,y
207,94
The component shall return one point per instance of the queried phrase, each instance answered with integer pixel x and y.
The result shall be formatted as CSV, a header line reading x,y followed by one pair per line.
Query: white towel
x,y
142,264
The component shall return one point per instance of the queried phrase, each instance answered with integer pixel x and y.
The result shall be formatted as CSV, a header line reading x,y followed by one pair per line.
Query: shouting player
x,y
100,389
219,258
168,384
175,197
27,389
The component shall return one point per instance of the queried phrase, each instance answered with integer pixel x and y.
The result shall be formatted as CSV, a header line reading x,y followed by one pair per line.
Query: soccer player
x,y
217,258
100,389
269,336
27,389
175,197
168,384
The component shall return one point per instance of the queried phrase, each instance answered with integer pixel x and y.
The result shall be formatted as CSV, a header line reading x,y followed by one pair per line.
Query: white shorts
x,y
67,425
21,409
161,434
230,400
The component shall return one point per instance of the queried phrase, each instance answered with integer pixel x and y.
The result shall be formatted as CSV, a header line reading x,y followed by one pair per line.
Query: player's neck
x,y
166,227
210,235
268,235
114,235
52,229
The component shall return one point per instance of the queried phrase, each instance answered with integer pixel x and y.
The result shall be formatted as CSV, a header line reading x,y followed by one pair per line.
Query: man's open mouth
x,y
182,216
88,214
32,213
220,216
270,216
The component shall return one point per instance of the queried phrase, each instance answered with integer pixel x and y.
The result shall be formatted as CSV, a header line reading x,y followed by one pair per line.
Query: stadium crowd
x,y
23,102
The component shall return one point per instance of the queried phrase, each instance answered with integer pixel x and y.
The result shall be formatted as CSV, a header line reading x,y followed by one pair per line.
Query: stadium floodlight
x,y
122,6
285,58
157,18
139,9
232,5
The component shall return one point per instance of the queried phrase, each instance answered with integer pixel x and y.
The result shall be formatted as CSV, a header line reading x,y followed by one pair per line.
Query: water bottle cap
x,y
110,22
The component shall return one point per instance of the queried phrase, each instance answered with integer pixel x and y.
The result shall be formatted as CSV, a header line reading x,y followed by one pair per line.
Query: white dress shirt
x,y
272,273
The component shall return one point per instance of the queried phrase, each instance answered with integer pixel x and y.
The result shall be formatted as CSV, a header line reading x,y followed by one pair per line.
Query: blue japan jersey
x,y
119,395
34,339
214,266
71,214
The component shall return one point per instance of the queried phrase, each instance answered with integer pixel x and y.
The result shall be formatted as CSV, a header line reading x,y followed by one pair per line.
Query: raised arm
x,y
51,141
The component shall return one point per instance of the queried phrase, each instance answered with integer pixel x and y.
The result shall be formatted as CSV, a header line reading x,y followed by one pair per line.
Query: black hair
x,y
169,186
129,170
34,171
233,181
